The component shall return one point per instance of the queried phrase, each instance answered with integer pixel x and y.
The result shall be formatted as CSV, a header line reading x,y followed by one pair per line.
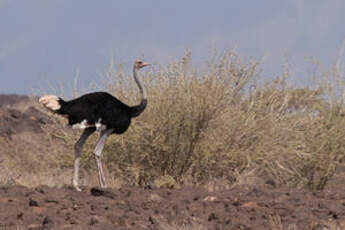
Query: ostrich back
x,y
98,107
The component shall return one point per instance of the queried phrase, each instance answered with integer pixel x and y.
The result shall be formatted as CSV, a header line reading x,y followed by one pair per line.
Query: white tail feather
x,y
51,102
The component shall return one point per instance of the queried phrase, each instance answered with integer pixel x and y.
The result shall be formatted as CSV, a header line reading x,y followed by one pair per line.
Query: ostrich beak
x,y
145,64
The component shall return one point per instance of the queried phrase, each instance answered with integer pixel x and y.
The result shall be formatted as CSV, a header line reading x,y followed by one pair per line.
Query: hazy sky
x,y
50,40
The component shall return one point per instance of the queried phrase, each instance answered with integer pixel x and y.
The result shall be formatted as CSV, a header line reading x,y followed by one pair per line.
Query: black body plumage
x,y
101,108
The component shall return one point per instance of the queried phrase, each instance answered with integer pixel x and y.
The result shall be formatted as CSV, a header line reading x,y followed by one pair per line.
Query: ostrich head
x,y
140,64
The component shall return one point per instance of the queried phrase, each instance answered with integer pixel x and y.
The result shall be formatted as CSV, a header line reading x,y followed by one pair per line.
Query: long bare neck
x,y
138,109
137,79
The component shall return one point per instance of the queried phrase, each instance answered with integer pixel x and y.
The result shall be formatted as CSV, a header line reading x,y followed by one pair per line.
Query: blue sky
x,y
50,40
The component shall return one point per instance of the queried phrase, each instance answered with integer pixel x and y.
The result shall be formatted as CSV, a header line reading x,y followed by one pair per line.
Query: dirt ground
x,y
262,206
186,208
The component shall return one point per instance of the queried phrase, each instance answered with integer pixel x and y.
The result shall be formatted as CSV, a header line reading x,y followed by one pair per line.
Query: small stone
x,y
210,198
33,203
212,216
94,220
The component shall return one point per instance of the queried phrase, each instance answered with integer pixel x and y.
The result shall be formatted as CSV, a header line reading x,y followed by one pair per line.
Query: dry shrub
x,y
172,137
215,123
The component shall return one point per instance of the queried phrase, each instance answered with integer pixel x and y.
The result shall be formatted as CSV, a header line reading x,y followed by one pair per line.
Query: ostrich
x,y
97,111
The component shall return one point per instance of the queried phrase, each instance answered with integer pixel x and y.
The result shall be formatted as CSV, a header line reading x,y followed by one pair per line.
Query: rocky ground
x,y
241,207
187,208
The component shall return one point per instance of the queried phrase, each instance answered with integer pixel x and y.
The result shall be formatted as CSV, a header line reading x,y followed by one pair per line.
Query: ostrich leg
x,y
78,148
98,152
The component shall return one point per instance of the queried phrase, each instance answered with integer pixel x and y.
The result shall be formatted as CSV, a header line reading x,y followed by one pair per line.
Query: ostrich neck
x,y
138,81
136,110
